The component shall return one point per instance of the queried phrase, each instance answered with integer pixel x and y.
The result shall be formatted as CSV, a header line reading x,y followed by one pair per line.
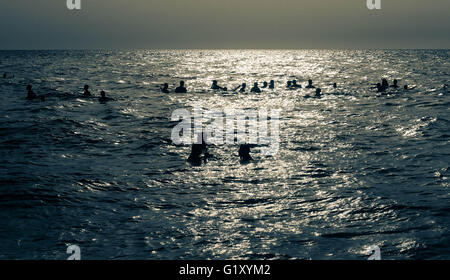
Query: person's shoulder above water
x,y
103,97
181,88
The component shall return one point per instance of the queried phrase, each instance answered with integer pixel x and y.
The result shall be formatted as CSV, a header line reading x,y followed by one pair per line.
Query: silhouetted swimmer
x,y
384,84
265,84
197,150
334,85
165,88
272,84
244,153
295,85
395,85
380,88
241,87
86,91
318,93
406,87
215,86
103,97
225,89
255,88
30,93
181,88
310,84
289,84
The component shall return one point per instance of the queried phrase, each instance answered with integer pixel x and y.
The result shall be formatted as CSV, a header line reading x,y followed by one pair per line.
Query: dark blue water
x,y
355,168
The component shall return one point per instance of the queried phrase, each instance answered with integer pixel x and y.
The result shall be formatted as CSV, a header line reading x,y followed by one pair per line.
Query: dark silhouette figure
x,y
272,84
384,84
318,93
406,87
215,86
295,85
225,89
86,91
241,87
181,88
265,84
197,150
395,85
289,84
165,88
30,93
255,88
380,87
334,85
244,153
310,84
103,97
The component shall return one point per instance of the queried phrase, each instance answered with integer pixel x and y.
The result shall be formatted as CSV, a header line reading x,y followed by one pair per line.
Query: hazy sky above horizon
x,y
48,24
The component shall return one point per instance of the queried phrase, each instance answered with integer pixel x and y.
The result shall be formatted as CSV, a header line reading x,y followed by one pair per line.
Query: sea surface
x,y
355,168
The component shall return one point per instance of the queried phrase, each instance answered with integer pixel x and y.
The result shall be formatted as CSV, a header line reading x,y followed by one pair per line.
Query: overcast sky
x,y
48,24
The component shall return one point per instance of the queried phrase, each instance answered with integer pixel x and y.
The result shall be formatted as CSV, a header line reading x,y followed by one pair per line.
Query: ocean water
x,y
355,168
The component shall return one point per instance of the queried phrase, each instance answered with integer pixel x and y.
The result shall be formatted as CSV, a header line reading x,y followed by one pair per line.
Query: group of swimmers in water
x,y
31,95
384,85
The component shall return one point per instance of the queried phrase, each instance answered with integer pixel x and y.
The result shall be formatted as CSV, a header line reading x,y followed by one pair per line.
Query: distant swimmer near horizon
x,y
30,93
272,84
334,85
310,84
255,88
103,97
244,153
86,91
241,87
265,84
295,85
181,88
318,93
289,84
165,88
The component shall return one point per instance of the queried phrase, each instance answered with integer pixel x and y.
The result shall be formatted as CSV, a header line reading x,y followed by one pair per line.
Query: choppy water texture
x,y
355,168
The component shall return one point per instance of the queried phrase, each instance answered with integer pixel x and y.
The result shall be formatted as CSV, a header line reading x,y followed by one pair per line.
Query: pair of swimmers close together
x,y
31,95
199,152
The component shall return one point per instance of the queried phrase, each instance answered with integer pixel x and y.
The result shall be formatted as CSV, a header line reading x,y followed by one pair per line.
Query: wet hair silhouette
x,y
272,84
181,88
310,84
255,88
244,153
103,97
265,84
289,84
334,85
165,88
86,91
